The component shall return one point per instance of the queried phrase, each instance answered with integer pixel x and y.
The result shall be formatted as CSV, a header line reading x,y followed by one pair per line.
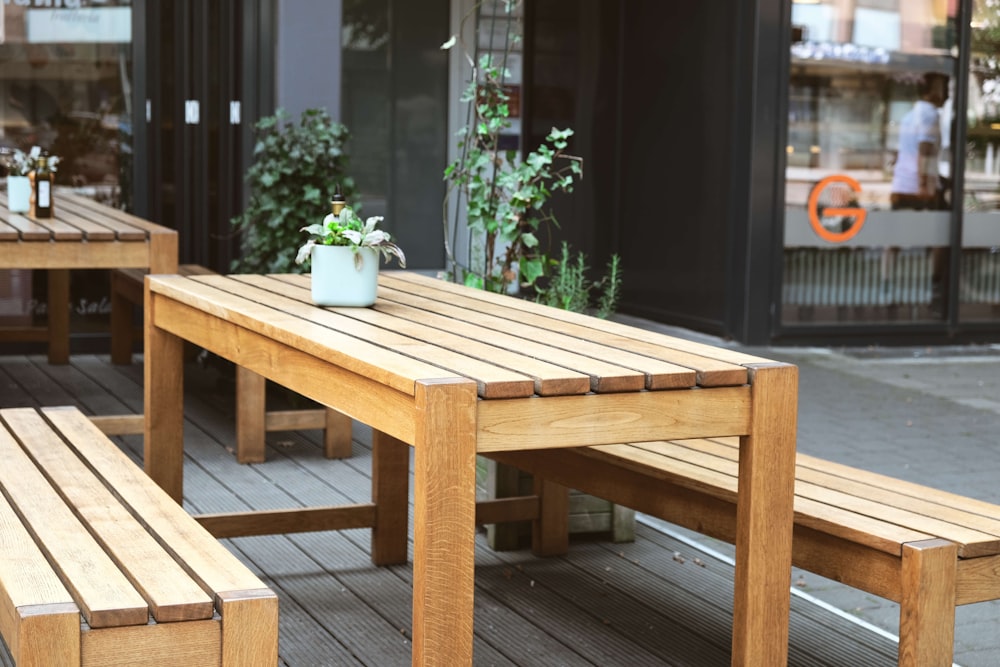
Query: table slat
x,y
356,355
494,381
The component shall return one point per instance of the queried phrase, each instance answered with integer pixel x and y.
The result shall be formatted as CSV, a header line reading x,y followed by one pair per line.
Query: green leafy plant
x,y
19,163
569,288
505,197
289,181
347,229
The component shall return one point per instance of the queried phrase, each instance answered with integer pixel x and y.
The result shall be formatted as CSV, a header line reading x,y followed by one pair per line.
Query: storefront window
x,y
65,72
979,286
65,85
867,218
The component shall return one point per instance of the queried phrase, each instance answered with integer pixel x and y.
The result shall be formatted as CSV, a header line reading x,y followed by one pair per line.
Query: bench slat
x,y
102,592
936,513
944,499
208,561
24,578
171,594
695,470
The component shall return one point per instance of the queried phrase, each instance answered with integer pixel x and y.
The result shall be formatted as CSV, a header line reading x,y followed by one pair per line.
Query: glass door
x,y
979,268
194,120
868,196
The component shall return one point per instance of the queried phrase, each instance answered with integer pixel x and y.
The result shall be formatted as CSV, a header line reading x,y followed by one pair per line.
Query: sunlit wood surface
x,y
657,601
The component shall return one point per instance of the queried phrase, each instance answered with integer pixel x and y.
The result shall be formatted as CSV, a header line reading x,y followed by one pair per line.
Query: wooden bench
x,y
99,566
925,549
126,295
253,419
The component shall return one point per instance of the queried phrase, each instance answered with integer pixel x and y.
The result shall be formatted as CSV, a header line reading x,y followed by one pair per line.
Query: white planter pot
x,y
18,194
336,281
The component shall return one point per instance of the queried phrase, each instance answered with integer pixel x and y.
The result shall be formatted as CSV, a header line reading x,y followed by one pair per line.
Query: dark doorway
x,y
198,112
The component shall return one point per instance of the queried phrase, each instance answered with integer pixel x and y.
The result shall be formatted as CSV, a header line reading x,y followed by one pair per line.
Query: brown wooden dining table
x,y
81,234
447,372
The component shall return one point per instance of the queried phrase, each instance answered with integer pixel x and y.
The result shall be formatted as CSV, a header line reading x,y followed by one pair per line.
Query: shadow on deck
x,y
657,601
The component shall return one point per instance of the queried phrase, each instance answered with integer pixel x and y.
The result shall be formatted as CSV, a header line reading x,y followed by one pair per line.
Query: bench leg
x,y
121,324
337,436
58,294
550,531
251,394
927,607
46,634
249,628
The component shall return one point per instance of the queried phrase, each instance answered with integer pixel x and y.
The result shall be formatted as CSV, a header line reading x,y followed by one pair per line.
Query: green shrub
x,y
296,168
569,288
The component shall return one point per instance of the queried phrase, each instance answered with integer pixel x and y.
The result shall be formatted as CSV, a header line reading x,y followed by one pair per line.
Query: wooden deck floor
x,y
657,601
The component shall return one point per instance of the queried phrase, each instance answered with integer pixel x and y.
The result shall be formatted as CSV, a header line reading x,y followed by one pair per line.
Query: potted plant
x,y
294,163
19,166
344,252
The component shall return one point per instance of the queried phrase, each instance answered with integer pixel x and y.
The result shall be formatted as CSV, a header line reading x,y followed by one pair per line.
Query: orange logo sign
x,y
844,212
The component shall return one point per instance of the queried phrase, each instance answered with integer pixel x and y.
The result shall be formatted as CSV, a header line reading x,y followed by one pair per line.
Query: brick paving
x,y
929,415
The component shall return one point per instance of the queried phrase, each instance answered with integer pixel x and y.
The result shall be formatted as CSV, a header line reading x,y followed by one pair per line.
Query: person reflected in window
x,y
916,181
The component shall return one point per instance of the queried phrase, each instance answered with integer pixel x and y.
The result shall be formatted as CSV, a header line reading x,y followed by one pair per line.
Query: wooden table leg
x,y
58,295
163,412
444,522
762,596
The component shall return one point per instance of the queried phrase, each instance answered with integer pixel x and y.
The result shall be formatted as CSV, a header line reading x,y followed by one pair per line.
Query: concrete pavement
x,y
929,415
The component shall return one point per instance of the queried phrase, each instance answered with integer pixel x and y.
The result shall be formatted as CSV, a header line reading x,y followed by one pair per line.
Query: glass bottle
x,y
42,189
338,202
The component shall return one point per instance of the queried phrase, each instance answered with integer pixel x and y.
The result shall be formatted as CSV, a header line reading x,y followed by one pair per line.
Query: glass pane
x,y
65,76
868,154
394,103
979,280
65,82
365,96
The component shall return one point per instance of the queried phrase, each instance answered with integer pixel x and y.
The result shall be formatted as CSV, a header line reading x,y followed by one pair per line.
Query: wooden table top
x,y
422,328
84,234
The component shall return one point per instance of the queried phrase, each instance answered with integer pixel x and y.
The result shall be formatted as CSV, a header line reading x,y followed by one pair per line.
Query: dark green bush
x,y
296,168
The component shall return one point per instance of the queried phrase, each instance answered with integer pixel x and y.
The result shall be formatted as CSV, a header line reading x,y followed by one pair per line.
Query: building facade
x,y
775,171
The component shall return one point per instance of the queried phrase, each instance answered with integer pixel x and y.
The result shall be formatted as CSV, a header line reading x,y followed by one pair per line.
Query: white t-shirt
x,y
919,125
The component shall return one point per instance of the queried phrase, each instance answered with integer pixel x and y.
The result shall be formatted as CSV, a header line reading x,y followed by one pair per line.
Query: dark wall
x,y
678,100
649,88
573,82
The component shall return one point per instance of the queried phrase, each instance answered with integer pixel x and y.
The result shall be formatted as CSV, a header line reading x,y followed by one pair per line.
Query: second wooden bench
x,y
927,550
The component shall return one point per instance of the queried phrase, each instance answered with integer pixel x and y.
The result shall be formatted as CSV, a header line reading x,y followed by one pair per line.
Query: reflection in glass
x,y
64,86
869,100
65,82
979,274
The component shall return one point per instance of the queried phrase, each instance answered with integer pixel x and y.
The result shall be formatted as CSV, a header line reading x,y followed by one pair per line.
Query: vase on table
x,y
338,279
18,194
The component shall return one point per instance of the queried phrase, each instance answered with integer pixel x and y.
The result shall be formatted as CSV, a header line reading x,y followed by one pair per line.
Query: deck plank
x,y
602,604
